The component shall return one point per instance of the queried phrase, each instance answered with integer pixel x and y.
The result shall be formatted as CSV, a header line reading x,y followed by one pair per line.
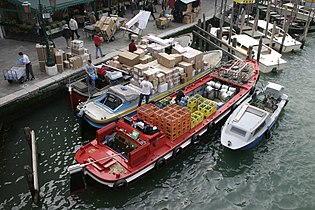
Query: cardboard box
x,y
189,7
76,44
162,87
59,57
66,64
183,76
79,51
128,58
183,80
151,75
144,41
166,60
60,68
42,66
178,57
193,53
155,82
114,64
140,52
189,57
69,55
199,65
178,49
186,66
145,59
76,62
161,77
140,68
40,52
186,19
107,30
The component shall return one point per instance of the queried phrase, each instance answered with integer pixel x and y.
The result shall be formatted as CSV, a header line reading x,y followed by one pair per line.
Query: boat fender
x,y
286,102
234,106
177,151
211,127
268,134
120,184
81,112
252,91
160,163
195,139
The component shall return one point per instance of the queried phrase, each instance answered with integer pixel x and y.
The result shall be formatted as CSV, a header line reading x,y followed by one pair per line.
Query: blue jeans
x,y
90,82
147,97
98,48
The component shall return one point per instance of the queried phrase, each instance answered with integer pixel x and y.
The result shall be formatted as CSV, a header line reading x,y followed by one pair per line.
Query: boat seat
x,y
81,86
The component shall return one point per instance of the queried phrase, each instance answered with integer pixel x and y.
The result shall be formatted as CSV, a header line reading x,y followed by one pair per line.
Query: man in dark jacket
x,y
132,46
66,33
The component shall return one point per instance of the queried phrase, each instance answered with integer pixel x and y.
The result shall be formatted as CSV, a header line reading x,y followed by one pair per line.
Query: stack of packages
x,y
191,13
41,55
78,56
161,21
173,120
107,25
163,70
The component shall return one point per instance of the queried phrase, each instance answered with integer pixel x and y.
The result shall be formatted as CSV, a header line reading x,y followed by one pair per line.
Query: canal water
x,y
278,174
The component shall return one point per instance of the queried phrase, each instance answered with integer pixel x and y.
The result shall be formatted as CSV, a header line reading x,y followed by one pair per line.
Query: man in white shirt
x,y
28,66
146,91
73,25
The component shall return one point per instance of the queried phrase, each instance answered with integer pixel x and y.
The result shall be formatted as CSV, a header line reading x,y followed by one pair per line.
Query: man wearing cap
x,y
66,33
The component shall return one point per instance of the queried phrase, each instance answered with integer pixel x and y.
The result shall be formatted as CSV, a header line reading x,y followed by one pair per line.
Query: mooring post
x,y
200,41
204,28
231,24
307,25
272,34
31,174
259,49
285,23
267,18
209,37
250,52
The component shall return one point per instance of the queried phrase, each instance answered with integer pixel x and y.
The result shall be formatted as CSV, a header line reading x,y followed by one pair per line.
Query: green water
x,y
278,174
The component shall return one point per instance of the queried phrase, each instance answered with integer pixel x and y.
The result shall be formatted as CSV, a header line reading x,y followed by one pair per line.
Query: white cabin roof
x,y
245,40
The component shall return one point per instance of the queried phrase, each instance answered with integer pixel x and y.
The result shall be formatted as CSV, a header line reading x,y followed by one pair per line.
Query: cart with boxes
x,y
14,74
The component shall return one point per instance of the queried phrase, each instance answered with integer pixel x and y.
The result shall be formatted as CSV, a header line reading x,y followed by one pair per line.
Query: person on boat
x,y
146,90
132,46
91,74
179,96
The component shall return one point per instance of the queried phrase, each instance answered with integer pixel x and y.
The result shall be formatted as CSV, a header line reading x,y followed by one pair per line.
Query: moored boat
x,y
125,150
269,61
253,120
117,101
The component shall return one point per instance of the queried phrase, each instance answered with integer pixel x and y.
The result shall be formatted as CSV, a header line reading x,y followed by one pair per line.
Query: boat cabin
x,y
118,97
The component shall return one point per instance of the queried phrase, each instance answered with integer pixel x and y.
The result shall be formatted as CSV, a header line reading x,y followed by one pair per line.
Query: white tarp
x,y
142,18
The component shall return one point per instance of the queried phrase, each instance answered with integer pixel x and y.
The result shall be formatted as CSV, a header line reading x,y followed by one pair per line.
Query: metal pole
x,y
231,24
259,49
272,34
49,61
35,166
267,18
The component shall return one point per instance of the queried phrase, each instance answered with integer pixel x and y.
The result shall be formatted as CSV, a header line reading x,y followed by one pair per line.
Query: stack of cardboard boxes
x,y
190,14
163,70
41,55
78,56
107,25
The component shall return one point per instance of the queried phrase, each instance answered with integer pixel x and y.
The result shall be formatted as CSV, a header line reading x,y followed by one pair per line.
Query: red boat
x,y
125,150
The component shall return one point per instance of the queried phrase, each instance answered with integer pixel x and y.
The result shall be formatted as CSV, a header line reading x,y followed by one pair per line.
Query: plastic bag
x,y
93,76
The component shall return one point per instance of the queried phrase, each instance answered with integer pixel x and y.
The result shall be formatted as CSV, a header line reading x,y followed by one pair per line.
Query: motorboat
x,y
270,60
290,44
253,120
125,150
116,101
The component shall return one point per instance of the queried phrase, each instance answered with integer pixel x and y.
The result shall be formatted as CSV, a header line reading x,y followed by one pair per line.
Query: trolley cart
x,y
14,74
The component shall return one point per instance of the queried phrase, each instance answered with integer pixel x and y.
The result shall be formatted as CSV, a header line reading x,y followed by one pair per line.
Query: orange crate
x,y
168,109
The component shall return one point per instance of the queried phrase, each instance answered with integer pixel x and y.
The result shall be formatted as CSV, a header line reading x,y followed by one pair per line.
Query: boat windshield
x,y
111,101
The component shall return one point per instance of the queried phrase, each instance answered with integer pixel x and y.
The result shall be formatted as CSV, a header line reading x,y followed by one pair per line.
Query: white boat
x,y
270,60
253,120
290,44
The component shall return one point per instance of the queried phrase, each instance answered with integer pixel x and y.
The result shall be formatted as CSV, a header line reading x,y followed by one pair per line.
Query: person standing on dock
x,y
91,74
74,28
98,44
66,33
146,90
132,46
28,65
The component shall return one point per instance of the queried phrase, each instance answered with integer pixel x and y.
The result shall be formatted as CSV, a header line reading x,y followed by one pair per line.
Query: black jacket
x,y
66,33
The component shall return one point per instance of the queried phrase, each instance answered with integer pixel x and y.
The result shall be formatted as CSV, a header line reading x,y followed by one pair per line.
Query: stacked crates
x,y
196,118
146,112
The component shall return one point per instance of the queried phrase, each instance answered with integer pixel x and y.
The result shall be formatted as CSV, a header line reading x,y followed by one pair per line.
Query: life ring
x,y
120,184
268,134
160,163
177,151
195,139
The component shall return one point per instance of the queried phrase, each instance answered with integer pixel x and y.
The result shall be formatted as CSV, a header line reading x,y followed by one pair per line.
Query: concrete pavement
x,y
9,52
